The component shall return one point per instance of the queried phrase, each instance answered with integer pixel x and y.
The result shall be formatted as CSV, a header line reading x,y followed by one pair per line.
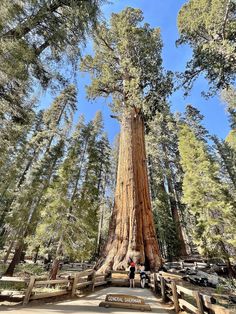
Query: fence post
x,y
93,280
70,283
175,296
76,279
198,298
163,288
29,290
155,282
108,277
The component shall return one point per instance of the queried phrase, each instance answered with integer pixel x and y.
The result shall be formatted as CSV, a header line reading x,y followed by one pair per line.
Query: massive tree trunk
x,y
132,231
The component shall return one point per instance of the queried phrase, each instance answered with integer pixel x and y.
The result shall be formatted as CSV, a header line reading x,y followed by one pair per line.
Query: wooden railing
x,y
169,288
68,286
168,285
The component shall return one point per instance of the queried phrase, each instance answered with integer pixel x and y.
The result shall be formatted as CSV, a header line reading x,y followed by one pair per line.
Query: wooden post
x,y
155,283
29,290
70,283
175,296
93,280
108,276
198,298
163,289
76,279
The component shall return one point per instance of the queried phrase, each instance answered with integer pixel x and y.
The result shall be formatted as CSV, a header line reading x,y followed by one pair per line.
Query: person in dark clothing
x,y
132,274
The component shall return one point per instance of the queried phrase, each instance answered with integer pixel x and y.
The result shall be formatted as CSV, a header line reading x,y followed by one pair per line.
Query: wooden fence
x,y
67,286
184,298
168,285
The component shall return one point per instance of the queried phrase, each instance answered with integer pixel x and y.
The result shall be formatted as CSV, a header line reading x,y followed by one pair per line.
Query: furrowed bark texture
x,y
132,231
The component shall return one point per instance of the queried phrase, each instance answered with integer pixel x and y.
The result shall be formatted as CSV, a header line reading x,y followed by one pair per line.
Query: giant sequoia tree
x,y
127,65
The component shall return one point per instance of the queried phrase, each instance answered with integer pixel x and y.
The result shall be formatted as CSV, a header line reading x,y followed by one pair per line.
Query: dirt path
x,y
89,304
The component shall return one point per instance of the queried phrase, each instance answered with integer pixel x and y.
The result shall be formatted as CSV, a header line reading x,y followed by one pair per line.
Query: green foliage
x,y
34,167
193,118
32,269
165,179
209,27
72,201
3,268
227,148
36,38
227,159
165,226
45,149
231,141
206,197
56,187
127,62
228,96
12,286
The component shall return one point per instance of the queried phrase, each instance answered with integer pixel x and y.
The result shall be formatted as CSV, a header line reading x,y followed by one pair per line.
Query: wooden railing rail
x,y
69,285
169,287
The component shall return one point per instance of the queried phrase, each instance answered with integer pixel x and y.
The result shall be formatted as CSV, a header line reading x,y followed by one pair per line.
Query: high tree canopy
x,y
36,36
209,28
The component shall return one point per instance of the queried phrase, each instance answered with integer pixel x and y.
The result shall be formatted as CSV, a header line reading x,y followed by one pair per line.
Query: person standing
x,y
132,274
142,276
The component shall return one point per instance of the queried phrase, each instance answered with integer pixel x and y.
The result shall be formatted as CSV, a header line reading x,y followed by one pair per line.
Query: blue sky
x,y
163,14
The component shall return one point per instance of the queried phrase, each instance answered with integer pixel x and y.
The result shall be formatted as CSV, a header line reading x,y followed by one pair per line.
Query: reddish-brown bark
x,y
132,232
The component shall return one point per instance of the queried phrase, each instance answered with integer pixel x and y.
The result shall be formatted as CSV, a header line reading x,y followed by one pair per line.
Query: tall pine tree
x,y
206,198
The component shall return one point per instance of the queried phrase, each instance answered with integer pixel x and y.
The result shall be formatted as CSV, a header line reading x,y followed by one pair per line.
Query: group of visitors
x,y
132,269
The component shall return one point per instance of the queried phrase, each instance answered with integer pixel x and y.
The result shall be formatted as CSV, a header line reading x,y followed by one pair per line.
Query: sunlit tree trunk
x,y
56,262
132,231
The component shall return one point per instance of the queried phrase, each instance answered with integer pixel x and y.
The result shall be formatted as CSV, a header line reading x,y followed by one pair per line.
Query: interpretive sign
x,y
125,301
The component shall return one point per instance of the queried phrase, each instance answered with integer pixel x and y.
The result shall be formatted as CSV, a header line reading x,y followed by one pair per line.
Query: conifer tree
x,y
193,118
227,148
36,36
127,65
206,198
73,198
229,97
12,167
227,159
107,197
209,28
39,169
166,178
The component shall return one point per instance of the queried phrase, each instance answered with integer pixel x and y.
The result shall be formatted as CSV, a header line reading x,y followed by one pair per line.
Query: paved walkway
x,y
89,304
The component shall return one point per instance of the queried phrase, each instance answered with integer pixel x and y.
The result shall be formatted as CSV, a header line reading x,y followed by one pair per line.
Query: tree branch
x,y
108,46
21,30
225,18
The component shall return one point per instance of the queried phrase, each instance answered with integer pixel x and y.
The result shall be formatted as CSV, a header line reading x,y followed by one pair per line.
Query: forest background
x,y
59,169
